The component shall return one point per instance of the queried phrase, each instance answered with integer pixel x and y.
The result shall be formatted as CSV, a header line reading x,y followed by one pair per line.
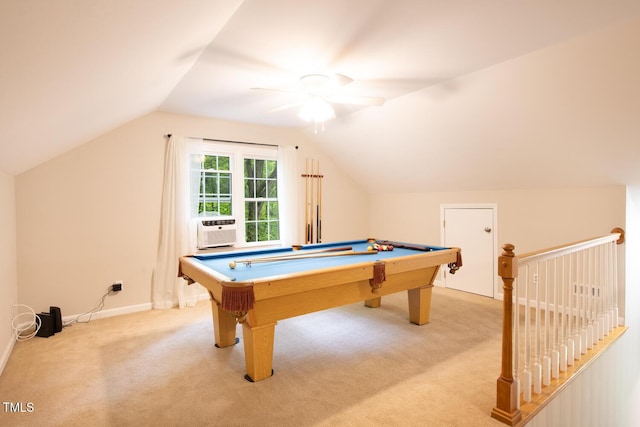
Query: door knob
x,y
487,229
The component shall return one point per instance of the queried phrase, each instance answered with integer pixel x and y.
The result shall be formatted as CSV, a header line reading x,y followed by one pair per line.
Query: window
x,y
261,200
240,181
214,192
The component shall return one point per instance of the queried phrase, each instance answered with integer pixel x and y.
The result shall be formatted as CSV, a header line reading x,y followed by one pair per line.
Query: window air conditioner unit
x,y
216,231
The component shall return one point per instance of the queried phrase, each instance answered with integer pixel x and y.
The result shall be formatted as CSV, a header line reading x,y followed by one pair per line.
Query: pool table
x,y
259,287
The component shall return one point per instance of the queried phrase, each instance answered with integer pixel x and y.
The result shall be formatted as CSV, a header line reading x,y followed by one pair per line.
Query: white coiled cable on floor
x,y
25,329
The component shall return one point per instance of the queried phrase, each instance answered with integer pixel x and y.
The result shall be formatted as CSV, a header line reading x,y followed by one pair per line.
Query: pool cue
x,y
315,194
317,228
300,250
306,201
313,189
311,202
248,262
303,253
319,206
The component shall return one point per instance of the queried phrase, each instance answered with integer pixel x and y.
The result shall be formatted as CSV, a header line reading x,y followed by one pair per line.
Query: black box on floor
x,y
47,327
56,315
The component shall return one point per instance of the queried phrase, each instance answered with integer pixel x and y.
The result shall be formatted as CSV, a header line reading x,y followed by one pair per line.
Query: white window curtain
x,y
288,195
177,236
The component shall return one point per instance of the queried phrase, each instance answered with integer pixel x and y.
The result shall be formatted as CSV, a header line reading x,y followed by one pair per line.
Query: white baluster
x,y
563,319
526,374
583,308
555,353
537,377
546,359
516,340
537,366
609,288
571,343
526,386
614,267
562,357
601,298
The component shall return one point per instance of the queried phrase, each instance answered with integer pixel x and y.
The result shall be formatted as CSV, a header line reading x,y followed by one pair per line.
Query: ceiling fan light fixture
x,y
317,92
316,84
316,110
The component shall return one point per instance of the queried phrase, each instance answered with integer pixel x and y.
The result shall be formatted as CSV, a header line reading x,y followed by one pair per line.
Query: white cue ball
x,y
232,265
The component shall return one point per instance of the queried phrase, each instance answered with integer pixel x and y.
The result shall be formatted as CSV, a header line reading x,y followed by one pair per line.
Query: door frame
x,y
494,207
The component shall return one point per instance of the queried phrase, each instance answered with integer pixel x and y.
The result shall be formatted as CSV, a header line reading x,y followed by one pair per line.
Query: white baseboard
x,y
109,313
121,310
6,353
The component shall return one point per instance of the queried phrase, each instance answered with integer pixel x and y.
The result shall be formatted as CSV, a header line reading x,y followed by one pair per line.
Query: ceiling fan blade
x,y
284,107
341,80
313,84
273,89
323,84
357,100
323,87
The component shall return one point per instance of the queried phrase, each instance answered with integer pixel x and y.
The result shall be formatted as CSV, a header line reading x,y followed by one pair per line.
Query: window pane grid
x,y
215,186
262,221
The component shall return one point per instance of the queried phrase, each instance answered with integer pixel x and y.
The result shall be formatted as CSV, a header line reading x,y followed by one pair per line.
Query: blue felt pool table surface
x,y
219,262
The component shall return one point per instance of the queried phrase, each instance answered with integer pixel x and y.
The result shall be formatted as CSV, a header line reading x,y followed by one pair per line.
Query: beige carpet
x,y
350,366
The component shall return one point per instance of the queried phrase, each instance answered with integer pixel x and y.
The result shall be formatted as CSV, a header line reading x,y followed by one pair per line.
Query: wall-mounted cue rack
x,y
313,202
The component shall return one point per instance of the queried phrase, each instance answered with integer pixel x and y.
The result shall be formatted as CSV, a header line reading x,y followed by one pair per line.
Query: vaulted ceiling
x,y
73,70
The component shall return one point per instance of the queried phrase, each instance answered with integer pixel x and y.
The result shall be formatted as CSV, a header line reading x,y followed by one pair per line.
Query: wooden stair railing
x,y
577,309
507,408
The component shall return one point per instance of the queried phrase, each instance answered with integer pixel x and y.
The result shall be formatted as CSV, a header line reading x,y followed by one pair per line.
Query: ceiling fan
x,y
316,93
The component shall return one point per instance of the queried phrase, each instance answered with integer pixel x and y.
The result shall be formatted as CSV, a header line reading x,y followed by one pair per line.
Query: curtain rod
x,y
236,142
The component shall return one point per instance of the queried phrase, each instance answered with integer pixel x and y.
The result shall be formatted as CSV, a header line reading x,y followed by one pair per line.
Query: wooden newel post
x,y
507,395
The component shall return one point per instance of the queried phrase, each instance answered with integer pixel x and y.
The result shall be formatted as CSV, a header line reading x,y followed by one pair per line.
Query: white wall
x,y
530,219
627,378
91,216
8,266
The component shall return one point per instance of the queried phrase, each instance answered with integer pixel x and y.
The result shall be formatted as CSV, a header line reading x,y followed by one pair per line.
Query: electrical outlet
x,y
117,286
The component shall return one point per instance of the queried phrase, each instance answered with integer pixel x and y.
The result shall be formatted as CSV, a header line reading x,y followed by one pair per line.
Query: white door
x,y
472,230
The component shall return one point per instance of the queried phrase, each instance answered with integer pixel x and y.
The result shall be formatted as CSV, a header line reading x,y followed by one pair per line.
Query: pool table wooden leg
x,y
373,302
258,350
224,326
420,304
